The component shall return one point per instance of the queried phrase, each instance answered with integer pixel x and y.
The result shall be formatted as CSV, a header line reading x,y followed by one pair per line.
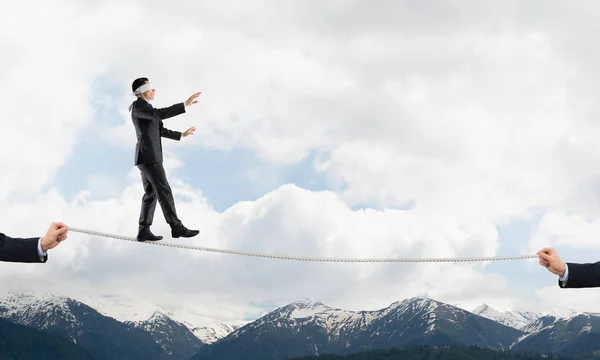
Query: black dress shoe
x,y
147,235
182,231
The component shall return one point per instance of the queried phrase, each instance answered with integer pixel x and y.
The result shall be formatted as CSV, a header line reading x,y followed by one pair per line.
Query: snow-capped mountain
x,y
103,336
516,319
312,328
173,337
206,329
142,331
539,323
574,335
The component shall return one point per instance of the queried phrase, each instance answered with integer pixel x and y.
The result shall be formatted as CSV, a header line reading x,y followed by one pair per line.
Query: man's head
x,y
141,88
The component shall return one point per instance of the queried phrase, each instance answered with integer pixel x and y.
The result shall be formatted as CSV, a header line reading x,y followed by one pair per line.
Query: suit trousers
x,y
156,187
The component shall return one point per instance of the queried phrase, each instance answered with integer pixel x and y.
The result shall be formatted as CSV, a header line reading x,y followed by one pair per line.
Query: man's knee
x,y
150,197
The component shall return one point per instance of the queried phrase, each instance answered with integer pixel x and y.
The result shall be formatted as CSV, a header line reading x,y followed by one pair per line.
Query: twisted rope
x,y
299,258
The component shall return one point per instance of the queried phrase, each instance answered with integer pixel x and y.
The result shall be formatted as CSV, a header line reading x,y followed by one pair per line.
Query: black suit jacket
x,y
582,275
20,250
149,129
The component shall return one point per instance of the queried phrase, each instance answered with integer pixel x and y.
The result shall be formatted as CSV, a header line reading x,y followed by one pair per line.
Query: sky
x,y
324,128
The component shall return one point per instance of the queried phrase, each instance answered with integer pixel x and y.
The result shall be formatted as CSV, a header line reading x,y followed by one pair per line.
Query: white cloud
x,y
288,221
562,230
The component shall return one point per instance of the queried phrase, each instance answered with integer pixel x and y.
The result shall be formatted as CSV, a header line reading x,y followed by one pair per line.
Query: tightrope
x,y
300,258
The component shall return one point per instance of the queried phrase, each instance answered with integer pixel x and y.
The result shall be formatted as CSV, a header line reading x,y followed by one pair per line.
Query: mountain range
x,y
302,328
157,336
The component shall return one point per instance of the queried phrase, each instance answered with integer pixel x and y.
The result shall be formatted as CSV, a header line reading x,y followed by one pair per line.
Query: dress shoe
x,y
182,231
145,234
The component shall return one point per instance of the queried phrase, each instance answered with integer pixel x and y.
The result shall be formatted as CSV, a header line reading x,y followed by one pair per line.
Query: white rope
x,y
298,258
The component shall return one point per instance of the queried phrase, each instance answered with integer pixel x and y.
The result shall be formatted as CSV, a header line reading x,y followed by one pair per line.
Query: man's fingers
x,y
59,226
61,231
545,256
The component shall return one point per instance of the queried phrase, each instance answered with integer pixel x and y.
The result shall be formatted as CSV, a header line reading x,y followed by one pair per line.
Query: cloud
x,y
287,221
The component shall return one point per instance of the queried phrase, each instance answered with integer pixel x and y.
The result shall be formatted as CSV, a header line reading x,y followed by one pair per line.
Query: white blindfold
x,y
143,88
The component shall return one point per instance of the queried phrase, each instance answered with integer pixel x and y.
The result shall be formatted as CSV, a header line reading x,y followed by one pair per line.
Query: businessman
x,y
149,130
571,275
32,250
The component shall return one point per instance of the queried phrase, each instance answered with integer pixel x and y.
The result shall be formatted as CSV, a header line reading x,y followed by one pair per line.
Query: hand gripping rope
x,y
298,258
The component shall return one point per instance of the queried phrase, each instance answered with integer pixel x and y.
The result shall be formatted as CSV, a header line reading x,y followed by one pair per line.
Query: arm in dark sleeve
x,y
20,250
170,134
150,113
582,275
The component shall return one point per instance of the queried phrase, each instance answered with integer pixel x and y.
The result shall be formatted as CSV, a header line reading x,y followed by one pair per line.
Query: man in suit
x,y
571,275
149,129
32,250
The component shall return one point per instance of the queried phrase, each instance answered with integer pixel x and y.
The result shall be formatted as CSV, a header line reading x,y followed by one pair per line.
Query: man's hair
x,y
137,83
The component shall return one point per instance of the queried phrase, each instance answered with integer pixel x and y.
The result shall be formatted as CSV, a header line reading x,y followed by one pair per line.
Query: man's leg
x,y
158,178
147,209
148,201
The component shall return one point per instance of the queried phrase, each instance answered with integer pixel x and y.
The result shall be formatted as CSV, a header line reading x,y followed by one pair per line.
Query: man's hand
x,y
56,233
189,131
191,100
550,260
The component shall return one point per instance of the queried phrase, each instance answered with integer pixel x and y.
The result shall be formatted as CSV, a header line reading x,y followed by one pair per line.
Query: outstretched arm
x,y
571,275
170,134
175,135
32,250
20,249
582,275
150,113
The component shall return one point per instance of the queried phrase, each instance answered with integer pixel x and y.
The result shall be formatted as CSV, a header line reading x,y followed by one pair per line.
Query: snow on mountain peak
x,y
305,308
515,319
416,302
487,311
300,309
205,328
24,307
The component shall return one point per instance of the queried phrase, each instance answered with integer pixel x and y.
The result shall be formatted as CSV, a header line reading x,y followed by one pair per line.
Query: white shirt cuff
x,y
565,275
41,253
